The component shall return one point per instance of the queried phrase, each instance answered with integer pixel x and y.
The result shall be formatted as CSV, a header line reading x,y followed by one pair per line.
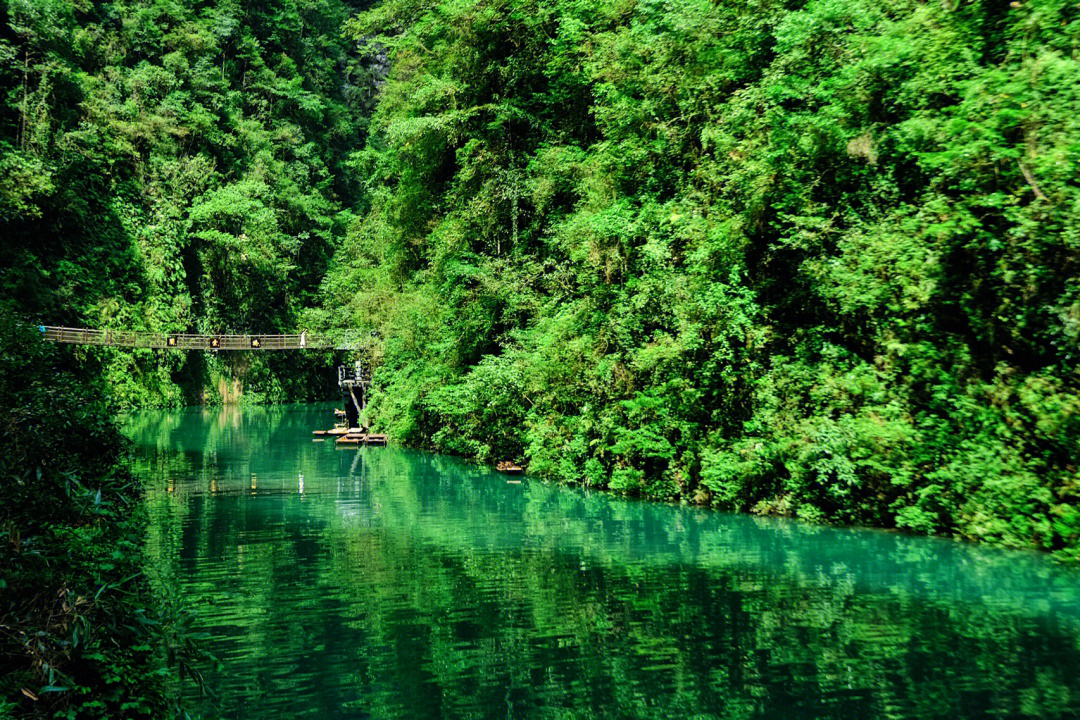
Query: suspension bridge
x,y
189,341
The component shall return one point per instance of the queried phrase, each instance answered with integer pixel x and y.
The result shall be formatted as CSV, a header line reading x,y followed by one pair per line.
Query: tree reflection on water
x,y
382,582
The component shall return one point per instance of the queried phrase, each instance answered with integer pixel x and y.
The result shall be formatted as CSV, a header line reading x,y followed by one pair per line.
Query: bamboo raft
x,y
350,436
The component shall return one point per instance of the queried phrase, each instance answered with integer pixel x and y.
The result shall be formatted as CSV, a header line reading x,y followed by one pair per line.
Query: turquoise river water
x,y
387,583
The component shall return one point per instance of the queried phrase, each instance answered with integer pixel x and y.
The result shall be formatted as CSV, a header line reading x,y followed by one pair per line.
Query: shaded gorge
x,y
388,583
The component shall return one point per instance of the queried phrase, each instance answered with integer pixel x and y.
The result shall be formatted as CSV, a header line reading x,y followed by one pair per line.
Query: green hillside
x,y
807,258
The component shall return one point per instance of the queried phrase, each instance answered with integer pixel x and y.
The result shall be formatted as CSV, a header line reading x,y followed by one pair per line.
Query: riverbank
x,y
83,634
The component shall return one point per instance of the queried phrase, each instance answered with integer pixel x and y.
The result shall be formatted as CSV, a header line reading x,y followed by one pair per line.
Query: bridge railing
x,y
186,341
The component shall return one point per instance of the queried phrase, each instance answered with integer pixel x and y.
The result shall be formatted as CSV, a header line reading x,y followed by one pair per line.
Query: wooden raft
x,y
352,436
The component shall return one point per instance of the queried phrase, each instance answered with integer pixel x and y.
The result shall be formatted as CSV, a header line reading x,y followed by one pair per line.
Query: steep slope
x,y
177,166
810,258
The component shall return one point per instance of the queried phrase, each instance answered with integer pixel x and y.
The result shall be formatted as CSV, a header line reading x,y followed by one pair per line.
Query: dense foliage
x,y
177,166
805,257
802,257
809,258
82,632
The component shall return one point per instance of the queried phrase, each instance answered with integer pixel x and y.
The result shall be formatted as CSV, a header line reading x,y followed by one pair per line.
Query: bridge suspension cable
x,y
188,341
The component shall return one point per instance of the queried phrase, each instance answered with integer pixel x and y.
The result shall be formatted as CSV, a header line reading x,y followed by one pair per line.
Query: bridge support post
x,y
352,408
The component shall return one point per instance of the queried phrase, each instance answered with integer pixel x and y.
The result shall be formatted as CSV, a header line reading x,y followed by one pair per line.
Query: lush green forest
x,y
178,166
804,258
814,258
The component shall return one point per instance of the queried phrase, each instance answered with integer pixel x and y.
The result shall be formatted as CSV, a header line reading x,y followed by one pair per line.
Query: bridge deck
x,y
186,341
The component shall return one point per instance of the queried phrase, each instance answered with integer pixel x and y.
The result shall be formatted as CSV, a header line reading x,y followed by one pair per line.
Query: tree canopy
x,y
807,258
177,166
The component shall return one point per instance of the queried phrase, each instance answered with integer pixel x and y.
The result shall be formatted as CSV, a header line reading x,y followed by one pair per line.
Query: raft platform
x,y
351,436
348,429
